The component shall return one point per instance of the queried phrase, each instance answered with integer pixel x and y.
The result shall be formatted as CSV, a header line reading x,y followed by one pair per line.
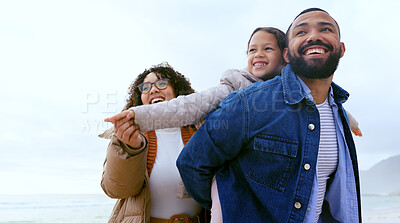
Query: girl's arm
x,y
354,125
189,109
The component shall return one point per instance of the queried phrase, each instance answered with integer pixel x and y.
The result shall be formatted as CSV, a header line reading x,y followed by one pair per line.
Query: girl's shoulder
x,y
238,78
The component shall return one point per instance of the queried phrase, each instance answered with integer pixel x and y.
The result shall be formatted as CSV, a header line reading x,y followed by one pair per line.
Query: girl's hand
x,y
129,114
357,132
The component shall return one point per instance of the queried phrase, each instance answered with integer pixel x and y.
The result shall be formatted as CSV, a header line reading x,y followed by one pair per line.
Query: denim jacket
x,y
262,145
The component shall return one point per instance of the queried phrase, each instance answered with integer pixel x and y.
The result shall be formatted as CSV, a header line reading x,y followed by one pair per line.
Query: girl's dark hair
x,y
279,35
179,83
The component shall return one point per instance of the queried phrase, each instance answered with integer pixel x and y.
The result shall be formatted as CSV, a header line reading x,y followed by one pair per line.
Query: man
x,y
282,150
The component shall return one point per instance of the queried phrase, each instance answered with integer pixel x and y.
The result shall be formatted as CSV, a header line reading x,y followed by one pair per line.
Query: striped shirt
x,y
327,153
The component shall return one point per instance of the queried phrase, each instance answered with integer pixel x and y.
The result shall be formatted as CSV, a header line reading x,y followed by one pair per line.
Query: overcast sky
x,y
66,65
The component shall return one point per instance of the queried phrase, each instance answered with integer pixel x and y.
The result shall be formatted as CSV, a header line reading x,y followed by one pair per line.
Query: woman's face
x,y
156,95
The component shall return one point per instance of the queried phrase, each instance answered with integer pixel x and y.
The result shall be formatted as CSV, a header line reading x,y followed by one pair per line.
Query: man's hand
x,y
128,114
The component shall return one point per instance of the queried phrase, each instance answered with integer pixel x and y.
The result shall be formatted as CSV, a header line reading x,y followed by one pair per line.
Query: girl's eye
x,y
252,50
269,48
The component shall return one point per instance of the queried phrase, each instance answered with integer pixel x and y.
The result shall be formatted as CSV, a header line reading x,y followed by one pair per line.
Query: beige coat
x,y
130,186
125,177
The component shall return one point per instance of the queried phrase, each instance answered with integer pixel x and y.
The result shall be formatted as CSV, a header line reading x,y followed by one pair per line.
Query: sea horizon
x,y
55,208
97,207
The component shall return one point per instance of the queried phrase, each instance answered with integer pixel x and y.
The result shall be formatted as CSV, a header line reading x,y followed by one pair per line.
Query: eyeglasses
x,y
161,84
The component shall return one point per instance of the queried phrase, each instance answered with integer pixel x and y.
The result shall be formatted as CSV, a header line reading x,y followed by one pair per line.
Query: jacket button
x,y
297,205
307,166
311,127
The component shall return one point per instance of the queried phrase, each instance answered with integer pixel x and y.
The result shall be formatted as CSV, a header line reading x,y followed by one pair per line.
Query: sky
x,y
67,65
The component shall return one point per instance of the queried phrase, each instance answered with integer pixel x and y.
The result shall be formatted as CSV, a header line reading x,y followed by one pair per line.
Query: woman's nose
x,y
153,89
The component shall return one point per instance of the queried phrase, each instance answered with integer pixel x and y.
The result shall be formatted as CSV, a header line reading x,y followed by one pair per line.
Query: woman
x,y
140,168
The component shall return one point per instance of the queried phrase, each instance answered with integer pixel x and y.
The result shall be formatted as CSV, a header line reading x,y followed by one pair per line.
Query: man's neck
x,y
319,88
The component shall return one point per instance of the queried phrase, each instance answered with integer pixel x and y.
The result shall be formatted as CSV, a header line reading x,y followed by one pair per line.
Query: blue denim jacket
x,y
341,195
258,143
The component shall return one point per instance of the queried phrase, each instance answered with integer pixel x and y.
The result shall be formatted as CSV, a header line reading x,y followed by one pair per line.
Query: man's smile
x,y
315,51
315,48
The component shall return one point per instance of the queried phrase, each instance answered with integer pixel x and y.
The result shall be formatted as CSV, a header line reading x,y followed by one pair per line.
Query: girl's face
x,y
156,95
264,58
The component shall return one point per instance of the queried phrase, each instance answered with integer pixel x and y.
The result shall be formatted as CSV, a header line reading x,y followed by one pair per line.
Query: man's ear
x,y
285,55
343,49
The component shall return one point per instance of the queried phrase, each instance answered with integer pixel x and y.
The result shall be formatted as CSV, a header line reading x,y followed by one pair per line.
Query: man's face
x,y
314,46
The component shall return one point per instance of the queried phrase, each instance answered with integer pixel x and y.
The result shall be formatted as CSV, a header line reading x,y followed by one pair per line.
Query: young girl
x,y
265,61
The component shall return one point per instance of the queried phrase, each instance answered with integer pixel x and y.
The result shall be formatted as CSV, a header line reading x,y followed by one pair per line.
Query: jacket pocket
x,y
273,161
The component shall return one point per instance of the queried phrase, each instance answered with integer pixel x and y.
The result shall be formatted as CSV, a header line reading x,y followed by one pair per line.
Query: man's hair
x,y
279,35
304,12
179,83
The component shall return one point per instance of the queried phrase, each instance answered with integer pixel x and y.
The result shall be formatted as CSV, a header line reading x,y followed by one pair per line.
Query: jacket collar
x,y
293,92
339,93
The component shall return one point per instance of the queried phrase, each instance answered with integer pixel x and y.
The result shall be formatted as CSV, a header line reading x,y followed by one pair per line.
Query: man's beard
x,y
316,68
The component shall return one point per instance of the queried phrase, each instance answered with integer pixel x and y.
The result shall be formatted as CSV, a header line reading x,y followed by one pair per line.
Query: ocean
x,y
96,208
55,208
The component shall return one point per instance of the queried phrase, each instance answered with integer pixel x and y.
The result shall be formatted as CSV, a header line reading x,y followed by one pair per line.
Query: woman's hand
x,y
129,133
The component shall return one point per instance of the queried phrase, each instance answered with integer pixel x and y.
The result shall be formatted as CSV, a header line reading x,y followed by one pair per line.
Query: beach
x,y
390,215
380,208
96,208
87,208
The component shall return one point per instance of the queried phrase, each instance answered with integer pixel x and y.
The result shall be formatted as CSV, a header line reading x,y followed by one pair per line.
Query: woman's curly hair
x,y
179,83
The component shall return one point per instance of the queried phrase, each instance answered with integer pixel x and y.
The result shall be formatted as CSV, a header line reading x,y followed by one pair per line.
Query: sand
x,y
378,216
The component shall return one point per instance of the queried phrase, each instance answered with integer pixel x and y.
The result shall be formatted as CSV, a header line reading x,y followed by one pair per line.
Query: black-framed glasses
x,y
161,84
